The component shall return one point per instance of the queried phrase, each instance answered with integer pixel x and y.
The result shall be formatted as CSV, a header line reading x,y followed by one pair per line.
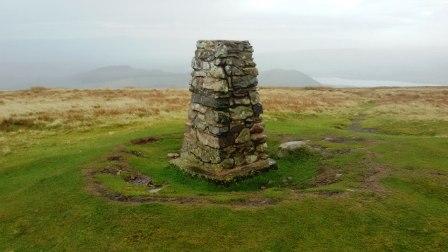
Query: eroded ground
x,y
88,169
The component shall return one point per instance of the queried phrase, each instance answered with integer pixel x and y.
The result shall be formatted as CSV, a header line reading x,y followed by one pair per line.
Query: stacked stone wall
x,y
225,133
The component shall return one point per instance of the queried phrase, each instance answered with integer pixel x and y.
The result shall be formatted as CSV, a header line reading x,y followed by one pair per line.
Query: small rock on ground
x,y
172,155
292,146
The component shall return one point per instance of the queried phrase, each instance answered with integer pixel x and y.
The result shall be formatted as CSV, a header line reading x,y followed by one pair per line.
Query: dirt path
x,y
356,122
116,163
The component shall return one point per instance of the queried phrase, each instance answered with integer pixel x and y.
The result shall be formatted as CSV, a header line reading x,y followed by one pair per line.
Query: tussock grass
x,y
41,108
307,100
89,107
384,189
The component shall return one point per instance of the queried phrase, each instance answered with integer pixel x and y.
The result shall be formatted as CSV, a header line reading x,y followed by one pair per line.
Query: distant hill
x,y
424,65
119,76
286,78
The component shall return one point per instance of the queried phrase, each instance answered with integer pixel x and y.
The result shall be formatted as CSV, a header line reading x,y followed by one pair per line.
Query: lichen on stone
x,y
224,139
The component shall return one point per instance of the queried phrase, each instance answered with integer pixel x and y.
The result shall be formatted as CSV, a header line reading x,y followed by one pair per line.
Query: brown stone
x,y
257,128
258,138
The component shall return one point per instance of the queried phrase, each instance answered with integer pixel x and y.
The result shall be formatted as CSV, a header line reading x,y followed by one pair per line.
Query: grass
x,y
378,190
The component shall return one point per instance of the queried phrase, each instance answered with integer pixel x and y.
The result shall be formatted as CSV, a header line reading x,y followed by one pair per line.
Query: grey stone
x,y
293,145
199,73
224,138
199,108
233,70
218,103
216,130
244,136
262,147
217,72
241,101
172,155
213,117
257,109
219,85
251,158
233,61
240,82
205,55
241,113
252,71
254,97
228,163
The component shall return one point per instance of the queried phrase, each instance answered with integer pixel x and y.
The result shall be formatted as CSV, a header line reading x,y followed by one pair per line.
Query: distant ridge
x,y
286,78
123,75
110,73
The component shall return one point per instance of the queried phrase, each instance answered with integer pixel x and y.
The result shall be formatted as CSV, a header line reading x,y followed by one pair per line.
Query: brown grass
x,y
45,107
67,107
307,100
38,89
411,103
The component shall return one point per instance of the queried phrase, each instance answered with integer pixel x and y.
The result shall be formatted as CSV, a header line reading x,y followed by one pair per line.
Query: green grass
x,y
46,206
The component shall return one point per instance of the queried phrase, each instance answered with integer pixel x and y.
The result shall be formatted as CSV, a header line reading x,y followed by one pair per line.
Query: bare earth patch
x,y
116,164
372,178
144,140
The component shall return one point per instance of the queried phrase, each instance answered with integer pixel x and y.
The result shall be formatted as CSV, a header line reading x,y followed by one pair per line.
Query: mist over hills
x,y
286,78
123,75
335,67
426,65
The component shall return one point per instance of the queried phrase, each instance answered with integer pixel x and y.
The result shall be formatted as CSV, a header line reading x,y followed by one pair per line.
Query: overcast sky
x,y
162,33
296,24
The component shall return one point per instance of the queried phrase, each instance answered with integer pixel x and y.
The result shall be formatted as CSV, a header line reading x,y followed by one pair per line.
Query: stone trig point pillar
x,y
224,138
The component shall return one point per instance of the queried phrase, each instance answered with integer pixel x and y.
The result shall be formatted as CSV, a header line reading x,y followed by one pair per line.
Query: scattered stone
x,y
172,155
141,180
224,139
292,146
155,190
137,153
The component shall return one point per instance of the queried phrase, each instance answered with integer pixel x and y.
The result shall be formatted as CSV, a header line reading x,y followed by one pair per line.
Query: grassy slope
x,y
45,204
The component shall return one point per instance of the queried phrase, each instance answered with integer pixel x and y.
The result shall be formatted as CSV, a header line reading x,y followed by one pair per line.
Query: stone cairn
x,y
224,137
